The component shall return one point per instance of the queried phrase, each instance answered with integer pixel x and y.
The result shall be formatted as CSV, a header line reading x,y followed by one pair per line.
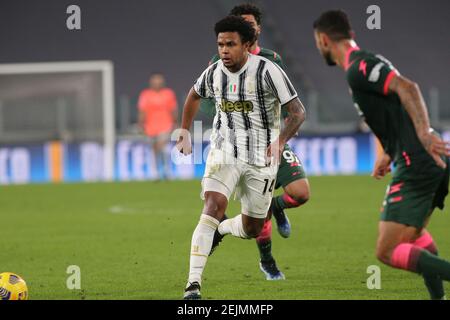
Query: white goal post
x,y
107,71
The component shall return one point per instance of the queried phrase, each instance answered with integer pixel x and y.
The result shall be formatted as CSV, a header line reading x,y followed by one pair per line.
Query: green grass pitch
x,y
131,241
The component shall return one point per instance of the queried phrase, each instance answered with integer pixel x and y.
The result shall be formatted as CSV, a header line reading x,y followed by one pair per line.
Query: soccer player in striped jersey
x,y
394,109
291,174
250,92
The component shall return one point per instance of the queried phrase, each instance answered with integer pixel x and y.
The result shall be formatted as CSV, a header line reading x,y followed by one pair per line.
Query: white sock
x,y
233,226
201,244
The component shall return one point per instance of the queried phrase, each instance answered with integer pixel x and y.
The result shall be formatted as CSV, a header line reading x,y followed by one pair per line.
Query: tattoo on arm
x,y
296,116
412,100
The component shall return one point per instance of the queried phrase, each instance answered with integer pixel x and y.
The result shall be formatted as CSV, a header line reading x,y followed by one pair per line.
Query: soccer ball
x,y
12,287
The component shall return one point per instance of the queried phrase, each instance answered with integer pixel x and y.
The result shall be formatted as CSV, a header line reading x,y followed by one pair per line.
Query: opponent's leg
x,y
396,247
295,194
267,262
433,283
292,177
264,241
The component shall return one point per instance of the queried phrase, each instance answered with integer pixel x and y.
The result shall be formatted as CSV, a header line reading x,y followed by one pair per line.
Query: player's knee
x,y
298,192
301,196
215,206
383,255
252,230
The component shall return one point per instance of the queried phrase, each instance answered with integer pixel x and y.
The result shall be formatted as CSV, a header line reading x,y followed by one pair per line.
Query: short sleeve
x,y
371,74
277,80
201,86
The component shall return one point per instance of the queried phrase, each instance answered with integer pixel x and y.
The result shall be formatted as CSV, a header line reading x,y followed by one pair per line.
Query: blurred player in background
x,y
158,114
394,109
246,141
291,174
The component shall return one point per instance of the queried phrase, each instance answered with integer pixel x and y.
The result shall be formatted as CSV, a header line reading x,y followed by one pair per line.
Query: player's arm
x,y
190,109
141,111
279,84
382,166
173,104
201,89
208,106
175,112
382,163
141,120
296,116
175,116
411,98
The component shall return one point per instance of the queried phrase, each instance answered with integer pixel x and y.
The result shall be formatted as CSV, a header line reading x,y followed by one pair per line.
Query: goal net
x,y
70,102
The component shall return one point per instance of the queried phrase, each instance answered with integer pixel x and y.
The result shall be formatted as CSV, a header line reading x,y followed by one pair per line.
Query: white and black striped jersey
x,y
248,106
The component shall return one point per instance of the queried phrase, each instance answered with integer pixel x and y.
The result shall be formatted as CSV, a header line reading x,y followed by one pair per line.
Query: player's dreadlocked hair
x,y
335,24
236,24
247,8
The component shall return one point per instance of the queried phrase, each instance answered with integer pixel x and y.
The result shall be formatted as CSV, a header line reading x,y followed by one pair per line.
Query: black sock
x,y
265,250
434,285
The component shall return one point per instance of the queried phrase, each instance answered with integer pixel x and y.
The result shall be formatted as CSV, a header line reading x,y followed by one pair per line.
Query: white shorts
x,y
254,185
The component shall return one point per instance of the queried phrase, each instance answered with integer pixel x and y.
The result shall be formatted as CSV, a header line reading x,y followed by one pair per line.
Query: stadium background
x,y
39,143
131,239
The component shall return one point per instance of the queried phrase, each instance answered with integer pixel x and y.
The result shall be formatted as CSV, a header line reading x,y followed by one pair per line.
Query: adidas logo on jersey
x,y
238,106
